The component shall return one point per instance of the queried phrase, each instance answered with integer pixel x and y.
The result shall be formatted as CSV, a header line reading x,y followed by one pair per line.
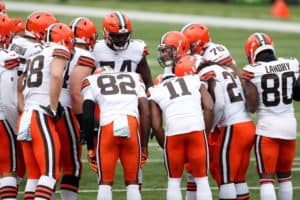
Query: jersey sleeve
x,y
86,61
207,73
61,53
141,87
86,90
247,73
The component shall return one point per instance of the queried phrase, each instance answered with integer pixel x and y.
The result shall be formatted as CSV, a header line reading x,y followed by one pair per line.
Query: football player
x,y
19,26
201,44
269,83
124,107
80,66
25,46
232,139
187,107
43,83
119,51
8,111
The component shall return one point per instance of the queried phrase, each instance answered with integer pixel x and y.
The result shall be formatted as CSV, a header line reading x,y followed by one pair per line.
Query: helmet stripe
x,y
262,40
48,33
121,19
74,25
186,27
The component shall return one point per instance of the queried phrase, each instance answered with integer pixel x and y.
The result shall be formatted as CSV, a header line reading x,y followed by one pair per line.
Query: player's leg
x,y
245,140
8,162
68,130
225,170
266,153
107,157
174,158
46,147
197,155
130,157
284,166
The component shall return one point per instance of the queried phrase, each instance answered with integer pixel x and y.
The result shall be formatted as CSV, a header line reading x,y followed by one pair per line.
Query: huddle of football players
x,y
62,88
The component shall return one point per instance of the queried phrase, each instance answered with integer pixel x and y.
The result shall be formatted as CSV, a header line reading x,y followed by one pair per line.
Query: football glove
x,y
56,115
92,160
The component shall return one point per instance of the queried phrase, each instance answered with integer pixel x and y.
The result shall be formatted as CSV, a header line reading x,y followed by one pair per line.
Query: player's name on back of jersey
x,y
18,49
277,68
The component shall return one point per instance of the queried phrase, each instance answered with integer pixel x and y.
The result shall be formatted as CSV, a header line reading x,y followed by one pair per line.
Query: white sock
x,y
9,188
173,191
133,192
267,191
227,191
30,188
203,188
242,190
104,192
285,189
45,188
68,194
191,187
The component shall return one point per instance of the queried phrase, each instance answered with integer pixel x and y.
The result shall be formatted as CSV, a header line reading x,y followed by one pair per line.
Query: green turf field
x,y
155,180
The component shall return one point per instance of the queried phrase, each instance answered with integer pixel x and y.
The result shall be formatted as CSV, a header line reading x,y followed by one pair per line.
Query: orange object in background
x,y
280,9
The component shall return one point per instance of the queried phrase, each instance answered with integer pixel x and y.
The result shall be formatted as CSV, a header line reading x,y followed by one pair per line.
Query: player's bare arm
x,y
156,119
57,70
144,70
208,108
78,74
145,122
251,95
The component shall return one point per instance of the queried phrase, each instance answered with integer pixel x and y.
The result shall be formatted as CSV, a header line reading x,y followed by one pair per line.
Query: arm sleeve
x,y
88,125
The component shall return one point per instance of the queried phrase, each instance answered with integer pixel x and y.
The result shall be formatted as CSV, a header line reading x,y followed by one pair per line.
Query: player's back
x,y
24,48
217,53
38,74
234,100
116,93
180,100
274,81
120,61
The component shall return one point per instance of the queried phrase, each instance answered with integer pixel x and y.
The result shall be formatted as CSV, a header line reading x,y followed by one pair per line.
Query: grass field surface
x,y
154,175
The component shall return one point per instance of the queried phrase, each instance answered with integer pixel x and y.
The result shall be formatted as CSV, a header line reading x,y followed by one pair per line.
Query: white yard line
x,y
268,25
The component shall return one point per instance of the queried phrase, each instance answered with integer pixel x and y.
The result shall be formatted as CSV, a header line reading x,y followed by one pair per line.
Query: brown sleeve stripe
x,y
85,83
247,75
207,76
226,61
9,64
61,53
86,61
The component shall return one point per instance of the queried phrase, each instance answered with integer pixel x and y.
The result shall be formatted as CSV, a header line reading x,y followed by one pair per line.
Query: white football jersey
x,y
116,94
37,74
80,57
217,53
121,61
24,48
234,100
274,82
179,99
9,62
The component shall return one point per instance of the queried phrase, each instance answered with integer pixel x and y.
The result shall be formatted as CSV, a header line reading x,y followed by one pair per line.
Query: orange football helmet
x,y
19,25
6,30
256,43
60,33
197,35
37,23
189,65
117,30
85,31
2,8
173,45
